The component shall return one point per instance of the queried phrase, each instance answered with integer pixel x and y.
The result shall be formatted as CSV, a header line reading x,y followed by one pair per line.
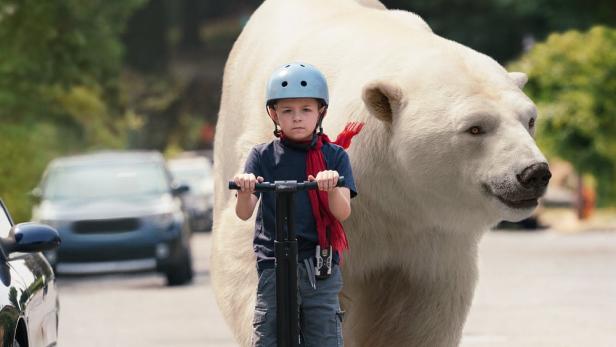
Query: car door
x,y
34,280
41,306
11,286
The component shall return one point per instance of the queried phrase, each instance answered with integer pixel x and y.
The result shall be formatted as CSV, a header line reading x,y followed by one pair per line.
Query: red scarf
x,y
318,199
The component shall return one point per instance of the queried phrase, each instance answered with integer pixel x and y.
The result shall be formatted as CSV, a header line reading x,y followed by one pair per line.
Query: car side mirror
x,y
31,238
180,189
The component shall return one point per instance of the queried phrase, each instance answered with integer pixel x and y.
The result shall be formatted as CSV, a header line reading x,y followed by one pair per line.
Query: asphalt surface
x,y
545,289
535,289
139,310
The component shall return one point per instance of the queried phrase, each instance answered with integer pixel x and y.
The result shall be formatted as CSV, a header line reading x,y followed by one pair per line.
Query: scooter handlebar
x,y
279,186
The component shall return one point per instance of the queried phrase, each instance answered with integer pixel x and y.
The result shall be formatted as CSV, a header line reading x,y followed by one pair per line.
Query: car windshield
x,y
107,180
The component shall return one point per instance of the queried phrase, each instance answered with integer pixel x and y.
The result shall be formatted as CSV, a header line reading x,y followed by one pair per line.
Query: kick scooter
x,y
285,251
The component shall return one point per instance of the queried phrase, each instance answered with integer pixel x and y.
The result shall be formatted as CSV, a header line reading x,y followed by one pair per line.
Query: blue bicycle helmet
x,y
297,80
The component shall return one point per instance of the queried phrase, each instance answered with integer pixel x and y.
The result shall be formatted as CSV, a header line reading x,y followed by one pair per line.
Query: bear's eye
x,y
475,130
531,123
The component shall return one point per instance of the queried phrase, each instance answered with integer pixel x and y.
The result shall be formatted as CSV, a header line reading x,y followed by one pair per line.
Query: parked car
x,y
28,295
196,172
116,212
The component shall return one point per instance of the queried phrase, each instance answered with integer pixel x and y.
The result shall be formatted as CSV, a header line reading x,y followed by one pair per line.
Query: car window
x,y
195,174
5,222
189,174
105,181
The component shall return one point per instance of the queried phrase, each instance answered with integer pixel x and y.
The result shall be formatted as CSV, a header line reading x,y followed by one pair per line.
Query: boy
x,y
297,100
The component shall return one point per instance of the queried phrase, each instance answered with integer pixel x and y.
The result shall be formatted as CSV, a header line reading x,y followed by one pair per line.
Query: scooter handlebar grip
x,y
314,184
270,186
265,186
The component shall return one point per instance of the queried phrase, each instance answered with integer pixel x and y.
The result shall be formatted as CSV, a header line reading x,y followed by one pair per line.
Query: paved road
x,y
536,289
138,310
545,289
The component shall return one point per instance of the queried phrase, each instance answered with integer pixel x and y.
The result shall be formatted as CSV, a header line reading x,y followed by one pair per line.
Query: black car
x,y
28,295
116,211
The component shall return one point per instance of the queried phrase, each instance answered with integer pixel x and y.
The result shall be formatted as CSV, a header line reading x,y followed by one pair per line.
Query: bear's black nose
x,y
535,176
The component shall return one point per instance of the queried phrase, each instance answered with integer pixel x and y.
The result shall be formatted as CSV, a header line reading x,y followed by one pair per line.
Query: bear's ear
x,y
519,78
382,99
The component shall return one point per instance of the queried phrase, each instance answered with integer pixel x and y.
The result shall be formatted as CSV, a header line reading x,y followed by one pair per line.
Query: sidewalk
x,y
565,220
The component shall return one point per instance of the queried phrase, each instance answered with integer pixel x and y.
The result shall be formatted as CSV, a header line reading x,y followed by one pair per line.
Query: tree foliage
x,y
59,86
48,45
572,78
502,28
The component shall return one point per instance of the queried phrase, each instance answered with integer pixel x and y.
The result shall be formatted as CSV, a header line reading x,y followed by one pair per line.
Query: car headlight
x,y
162,220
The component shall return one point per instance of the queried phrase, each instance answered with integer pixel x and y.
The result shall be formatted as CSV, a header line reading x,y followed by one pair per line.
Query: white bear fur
x,y
415,225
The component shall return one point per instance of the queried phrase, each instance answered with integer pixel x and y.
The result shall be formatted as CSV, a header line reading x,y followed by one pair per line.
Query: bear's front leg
x,y
391,308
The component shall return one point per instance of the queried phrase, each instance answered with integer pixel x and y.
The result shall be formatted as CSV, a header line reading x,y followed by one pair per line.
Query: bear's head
x,y
459,132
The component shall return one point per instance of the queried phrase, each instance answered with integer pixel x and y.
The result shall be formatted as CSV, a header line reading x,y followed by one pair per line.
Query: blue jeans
x,y
320,314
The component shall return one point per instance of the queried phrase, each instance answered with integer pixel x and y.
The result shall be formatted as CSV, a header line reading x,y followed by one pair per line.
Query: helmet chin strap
x,y
319,126
320,122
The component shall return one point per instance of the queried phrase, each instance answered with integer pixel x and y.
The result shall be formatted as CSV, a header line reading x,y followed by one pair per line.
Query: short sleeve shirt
x,y
276,161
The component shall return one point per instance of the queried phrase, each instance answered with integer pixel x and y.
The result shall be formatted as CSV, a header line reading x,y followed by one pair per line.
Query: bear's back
x,y
325,34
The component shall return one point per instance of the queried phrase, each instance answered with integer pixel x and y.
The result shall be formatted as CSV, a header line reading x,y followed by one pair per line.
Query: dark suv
x,y
115,212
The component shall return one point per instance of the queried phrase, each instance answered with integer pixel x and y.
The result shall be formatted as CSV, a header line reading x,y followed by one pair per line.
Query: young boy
x,y
297,100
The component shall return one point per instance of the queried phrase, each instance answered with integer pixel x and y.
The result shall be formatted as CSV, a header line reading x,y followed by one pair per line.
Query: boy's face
x,y
297,118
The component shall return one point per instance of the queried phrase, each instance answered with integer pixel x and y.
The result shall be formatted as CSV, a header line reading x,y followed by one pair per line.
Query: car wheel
x,y
180,272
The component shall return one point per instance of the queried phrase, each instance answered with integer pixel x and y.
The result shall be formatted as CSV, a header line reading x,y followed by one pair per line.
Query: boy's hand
x,y
246,182
326,180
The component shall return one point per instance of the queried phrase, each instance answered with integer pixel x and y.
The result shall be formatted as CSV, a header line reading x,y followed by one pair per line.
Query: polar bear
x,y
447,151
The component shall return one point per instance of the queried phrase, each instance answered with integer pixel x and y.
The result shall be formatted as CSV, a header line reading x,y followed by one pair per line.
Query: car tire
x,y
180,272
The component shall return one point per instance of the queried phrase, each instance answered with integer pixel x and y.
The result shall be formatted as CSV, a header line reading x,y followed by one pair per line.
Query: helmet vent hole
x,y
303,83
287,65
302,65
284,83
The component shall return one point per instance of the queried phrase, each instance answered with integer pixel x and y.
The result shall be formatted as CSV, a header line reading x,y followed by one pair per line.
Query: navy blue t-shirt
x,y
277,161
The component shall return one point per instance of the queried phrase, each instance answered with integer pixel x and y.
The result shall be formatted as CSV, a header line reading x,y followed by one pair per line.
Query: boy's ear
x,y
271,111
383,99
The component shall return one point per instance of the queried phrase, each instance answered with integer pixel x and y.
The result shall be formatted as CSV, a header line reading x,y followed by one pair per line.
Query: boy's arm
x,y
246,200
339,198
245,205
340,202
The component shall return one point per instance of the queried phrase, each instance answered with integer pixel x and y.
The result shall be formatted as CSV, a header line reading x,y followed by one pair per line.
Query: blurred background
x,y
79,77
147,74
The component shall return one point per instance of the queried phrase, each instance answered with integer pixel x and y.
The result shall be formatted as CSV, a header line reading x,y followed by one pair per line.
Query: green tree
x,y
51,44
60,63
572,78
501,28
